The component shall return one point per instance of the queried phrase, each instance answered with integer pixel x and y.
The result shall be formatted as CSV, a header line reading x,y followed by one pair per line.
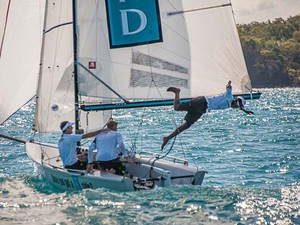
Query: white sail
x,y
56,89
199,52
138,72
55,101
215,48
20,42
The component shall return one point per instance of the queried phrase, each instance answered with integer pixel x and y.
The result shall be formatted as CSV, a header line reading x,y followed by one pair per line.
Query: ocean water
x,y
253,165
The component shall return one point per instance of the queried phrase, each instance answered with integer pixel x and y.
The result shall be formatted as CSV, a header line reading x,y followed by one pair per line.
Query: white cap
x,y
68,124
243,101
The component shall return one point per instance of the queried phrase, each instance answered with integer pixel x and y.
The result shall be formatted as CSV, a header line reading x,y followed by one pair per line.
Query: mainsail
x,y
199,51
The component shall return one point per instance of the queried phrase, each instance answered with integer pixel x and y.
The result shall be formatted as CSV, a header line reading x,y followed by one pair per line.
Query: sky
x,y
247,11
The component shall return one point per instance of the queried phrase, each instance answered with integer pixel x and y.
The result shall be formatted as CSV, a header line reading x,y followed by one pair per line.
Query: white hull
x,y
150,171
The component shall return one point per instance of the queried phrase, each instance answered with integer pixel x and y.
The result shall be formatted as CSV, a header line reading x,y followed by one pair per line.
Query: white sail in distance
x,y
20,46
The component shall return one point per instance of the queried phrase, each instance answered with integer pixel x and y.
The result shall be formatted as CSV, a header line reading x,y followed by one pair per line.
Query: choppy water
x,y
253,165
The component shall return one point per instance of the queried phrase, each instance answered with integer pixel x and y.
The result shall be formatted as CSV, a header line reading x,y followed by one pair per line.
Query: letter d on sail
x,y
125,25
133,22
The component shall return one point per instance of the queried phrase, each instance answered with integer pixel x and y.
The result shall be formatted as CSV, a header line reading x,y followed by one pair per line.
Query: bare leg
x,y
176,103
174,133
176,91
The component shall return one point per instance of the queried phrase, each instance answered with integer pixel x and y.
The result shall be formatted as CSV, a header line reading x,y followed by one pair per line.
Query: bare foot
x,y
165,141
173,89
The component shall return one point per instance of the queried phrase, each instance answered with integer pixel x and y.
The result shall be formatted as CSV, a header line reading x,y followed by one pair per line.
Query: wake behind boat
x,y
90,57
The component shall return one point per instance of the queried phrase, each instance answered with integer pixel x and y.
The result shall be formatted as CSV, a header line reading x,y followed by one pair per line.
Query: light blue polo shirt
x,y
108,144
67,145
222,101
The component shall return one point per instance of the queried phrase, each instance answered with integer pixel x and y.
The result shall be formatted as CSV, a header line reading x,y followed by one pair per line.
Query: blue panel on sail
x,y
133,22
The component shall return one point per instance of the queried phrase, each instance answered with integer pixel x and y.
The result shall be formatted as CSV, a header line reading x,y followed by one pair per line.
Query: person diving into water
x,y
196,107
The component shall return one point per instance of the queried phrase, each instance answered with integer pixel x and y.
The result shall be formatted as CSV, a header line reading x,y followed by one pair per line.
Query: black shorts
x,y
79,165
115,164
195,108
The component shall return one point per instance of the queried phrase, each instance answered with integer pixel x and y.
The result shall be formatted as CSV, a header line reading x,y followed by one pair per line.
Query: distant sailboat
x,y
100,55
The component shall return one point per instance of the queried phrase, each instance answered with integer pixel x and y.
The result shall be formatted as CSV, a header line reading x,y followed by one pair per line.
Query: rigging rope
x,y
171,147
151,85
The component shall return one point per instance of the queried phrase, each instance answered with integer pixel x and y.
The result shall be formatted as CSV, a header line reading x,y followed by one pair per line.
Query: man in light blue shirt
x,y
198,106
109,145
67,146
222,101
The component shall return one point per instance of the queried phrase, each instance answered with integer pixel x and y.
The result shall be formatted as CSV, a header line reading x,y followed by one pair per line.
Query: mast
x,y
39,80
75,49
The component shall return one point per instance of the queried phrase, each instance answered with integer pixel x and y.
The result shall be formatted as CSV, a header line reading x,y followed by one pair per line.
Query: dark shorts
x,y
79,165
195,108
115,164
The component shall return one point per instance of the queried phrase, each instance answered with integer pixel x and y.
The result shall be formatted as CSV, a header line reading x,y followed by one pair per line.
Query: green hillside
x,y
272,52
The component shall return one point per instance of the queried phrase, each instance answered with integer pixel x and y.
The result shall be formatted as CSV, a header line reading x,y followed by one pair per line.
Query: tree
x,y
272,52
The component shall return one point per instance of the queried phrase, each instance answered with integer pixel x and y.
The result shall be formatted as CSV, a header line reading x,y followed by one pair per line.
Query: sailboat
x,y
90,57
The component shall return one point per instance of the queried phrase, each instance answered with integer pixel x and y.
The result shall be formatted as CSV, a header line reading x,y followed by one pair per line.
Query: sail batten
x,y
197,9
59,25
